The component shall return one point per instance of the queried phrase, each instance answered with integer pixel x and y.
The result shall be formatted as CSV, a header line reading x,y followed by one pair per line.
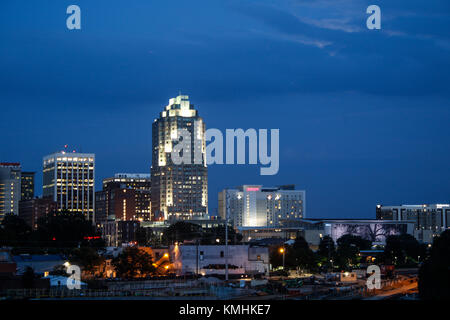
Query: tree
x,y
87,258
14,231
67,229
403,250
133,262
347,254
327,251
297,255
181,231
28,278
304,257
434,273
144,236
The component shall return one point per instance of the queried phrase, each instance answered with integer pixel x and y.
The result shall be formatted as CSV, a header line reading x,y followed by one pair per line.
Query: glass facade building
x,y
69,179
10,188
27,185
179,191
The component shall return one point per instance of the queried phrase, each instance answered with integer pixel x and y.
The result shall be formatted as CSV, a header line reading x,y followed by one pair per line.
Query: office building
x,y
27,185
31,210
10,188
69,180
115,204
179,192
258,206
140,183
115,233
429,219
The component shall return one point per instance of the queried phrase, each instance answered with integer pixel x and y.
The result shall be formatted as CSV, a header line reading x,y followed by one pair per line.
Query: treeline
x,y
345,254
55,232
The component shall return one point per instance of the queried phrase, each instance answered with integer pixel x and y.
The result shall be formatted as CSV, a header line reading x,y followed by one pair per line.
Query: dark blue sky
x,y
363,114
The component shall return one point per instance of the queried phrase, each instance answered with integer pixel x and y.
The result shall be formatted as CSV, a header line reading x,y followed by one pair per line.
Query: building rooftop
x,y
37,258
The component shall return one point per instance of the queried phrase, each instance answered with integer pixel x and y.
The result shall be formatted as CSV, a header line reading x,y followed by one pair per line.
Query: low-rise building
x,y
115,233
42,264
210,259
313,230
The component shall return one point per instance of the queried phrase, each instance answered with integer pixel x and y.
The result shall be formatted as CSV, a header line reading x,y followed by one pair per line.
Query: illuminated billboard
x,y
375,232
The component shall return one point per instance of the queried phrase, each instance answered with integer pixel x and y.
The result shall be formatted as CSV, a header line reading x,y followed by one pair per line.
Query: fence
x,y
147,289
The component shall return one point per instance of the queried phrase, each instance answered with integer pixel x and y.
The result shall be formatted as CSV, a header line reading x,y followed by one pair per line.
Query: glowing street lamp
x,y
282,251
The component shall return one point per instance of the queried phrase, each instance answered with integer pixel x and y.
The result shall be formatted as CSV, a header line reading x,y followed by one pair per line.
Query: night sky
x,y
363,114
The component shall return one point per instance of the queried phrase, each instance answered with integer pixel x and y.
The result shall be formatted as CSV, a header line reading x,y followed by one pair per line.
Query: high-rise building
x,y
69,179
126,196
27,183
115,204
10,188
258,206
429,219
141,184
179,191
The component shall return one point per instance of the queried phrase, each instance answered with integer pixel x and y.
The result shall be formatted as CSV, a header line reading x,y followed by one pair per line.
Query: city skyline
x,y
362,113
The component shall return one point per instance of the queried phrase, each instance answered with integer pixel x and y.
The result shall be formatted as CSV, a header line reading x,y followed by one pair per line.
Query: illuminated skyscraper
x,y
27,183
179,192
10,188
69,179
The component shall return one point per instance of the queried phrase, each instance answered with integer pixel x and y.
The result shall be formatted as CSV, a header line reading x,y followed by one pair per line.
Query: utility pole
x,y
226,234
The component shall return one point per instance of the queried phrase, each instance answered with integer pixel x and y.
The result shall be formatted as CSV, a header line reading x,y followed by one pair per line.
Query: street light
x,y
282,251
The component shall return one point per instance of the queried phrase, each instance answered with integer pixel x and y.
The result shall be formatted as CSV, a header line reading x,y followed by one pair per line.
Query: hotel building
x,y
69,180
179,192
258,206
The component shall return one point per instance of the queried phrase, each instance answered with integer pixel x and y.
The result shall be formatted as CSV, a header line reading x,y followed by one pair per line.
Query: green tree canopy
x,y
87,258
403,249
133,262
14,231
327,247
347,254
67,229
297,255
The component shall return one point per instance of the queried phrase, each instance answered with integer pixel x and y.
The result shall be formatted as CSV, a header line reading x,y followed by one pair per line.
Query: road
x,y
391,293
